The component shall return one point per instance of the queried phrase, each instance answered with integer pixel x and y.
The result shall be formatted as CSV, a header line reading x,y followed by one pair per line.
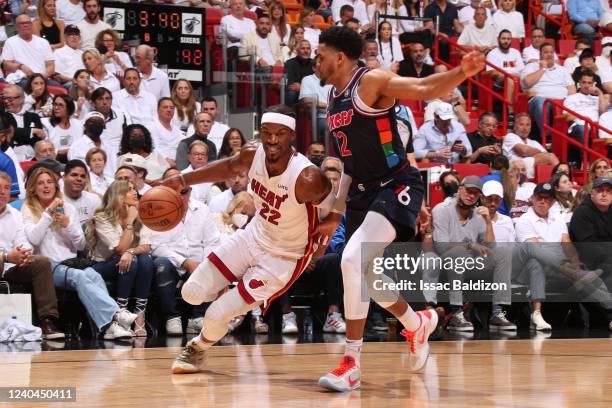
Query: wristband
x,y
337,211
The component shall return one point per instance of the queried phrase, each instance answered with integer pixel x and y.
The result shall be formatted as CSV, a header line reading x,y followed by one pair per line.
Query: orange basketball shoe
x,y
419,347
347,377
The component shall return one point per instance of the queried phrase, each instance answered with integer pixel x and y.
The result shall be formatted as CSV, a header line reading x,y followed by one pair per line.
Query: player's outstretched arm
x,y
391,86
218,170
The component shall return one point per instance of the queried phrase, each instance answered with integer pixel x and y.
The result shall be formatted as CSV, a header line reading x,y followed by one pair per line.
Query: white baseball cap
x,y
445,111
93,114
134,160
493,187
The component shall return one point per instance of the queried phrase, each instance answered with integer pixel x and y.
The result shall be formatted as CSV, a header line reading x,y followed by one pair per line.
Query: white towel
x,y
14,330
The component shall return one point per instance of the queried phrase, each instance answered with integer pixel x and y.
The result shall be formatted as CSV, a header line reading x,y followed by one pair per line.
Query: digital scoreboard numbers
x,y
176,33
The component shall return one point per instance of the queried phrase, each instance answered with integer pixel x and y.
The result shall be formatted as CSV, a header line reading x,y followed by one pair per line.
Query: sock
x,y
410,320
122,303
496,310
353,349
141,305
202,345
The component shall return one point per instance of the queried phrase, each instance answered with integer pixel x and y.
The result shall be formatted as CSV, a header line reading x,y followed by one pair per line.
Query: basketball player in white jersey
x,y
268,255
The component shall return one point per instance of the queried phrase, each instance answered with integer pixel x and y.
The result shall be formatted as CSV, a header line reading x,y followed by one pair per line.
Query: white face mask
x,y
240,220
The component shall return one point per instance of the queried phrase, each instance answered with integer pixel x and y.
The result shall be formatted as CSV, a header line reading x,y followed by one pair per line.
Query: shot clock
x,y
175,32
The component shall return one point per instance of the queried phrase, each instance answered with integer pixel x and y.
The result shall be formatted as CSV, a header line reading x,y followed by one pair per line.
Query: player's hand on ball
x,y
473,62
173,182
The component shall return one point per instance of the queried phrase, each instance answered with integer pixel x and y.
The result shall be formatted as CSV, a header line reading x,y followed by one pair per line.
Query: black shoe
x,y
378,323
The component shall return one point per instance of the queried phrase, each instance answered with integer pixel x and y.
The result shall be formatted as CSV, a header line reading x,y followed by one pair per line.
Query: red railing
x,y
591,131
535,10
483,89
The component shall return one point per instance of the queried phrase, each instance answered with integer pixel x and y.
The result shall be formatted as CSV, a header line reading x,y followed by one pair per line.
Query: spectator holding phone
x,y
485,145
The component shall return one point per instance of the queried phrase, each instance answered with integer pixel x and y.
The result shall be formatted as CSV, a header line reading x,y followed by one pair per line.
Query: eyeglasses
x,y
198,155
10,98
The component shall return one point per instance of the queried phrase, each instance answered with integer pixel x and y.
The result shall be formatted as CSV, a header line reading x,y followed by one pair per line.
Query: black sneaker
x,y
498,321
378,323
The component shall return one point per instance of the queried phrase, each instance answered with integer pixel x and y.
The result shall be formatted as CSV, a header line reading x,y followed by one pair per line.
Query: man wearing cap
x,y
76,178
92,128
461,230
492,197
443,140
263,256
138,163
537,263
68,58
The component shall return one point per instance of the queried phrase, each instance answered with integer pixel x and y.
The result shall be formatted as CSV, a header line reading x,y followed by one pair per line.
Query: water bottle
x,y
307,325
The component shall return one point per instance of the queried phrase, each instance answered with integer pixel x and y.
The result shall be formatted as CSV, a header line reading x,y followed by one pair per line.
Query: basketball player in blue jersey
x,y
384,192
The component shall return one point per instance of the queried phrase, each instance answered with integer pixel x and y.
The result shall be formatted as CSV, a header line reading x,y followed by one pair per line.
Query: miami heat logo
x,y
256,283
190,24
111,18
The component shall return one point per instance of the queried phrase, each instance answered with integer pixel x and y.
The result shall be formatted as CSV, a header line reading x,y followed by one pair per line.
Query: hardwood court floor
x,y
517,373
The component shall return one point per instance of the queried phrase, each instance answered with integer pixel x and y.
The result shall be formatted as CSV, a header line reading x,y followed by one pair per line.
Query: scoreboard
x,y
176,33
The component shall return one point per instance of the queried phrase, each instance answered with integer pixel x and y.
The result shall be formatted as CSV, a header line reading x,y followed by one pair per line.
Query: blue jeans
x,y
91,290
166,279
583,30
137,278
536,111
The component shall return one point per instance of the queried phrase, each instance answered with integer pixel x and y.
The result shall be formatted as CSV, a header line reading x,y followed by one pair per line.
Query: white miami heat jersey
x,y
281,226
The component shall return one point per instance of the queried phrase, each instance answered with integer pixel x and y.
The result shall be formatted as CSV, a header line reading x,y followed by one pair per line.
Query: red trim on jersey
x,y
303,262
350,83
225,271
245,293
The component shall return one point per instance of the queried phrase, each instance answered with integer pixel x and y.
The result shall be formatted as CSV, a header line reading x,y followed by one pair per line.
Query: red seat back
x,y
469,169
543,173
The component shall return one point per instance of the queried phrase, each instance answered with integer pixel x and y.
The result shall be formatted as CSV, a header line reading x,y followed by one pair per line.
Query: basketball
x,y
161,208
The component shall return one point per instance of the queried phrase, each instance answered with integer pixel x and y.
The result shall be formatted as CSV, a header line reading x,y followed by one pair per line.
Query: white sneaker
x,y
334,323
125,318
289,323
194,326
235,323
174,327
116,331
345,378
538,322
419,346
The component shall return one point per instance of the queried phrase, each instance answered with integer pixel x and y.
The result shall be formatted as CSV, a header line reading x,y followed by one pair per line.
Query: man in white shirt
x,y
141,104
178,252
315,95
166,136
70,11
18,264
360,11
115,122
44,149
235,25
263,46
442,140
589,101
218,130
571,63
557,259
517,145
29,128
478,33
531,53
91,25
198,157
68,58
492,197
154,80
508,59
131,173
507,18
139,165
26,52
466,14
234,185
75,180
546,80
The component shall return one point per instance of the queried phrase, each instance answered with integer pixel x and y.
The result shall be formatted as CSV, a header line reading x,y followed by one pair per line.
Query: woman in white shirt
x,y
384,7
280,28
121,247
81,93
96,160
389,48
564,195
115,62
185,104
62,127
99,76
507,18
310,33
53,229
38,99
296,37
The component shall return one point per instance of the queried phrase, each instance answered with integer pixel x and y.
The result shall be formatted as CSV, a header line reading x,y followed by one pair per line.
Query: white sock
x,y
410,320
353,349
199,341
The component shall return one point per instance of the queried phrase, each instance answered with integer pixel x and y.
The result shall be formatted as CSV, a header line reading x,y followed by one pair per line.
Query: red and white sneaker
x,y
345,378
419,347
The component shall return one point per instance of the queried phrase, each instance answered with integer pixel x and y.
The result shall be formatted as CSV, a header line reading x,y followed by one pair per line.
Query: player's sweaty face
x,y
276,140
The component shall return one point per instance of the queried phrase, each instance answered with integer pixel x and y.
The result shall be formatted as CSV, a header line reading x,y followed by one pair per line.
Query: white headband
x,y
278,118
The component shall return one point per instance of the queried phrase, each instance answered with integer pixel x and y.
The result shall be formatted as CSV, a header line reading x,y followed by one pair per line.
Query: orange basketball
x,y
161,208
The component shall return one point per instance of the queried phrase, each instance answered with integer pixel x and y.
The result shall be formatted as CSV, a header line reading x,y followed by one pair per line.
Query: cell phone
x,y
456,142
59,210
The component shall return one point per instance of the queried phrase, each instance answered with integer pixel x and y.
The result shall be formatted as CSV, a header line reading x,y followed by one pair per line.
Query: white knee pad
x,y
221,311
204,284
